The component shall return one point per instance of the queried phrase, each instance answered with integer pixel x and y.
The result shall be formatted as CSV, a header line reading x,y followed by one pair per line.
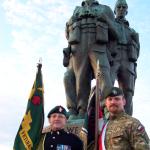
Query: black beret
x,y
57,109
114,91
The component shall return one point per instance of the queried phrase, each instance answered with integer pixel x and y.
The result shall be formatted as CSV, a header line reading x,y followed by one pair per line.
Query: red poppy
x,y
36,100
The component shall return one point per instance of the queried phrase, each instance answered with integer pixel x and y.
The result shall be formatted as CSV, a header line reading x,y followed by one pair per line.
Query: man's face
x,y
121,10
57,121
115,104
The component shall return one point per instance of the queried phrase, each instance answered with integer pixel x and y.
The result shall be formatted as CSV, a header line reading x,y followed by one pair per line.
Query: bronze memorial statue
x,y
94,34
88,32
125,53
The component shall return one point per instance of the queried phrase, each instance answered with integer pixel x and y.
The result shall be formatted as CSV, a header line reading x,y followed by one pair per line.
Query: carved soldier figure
x,y
125,55
88,32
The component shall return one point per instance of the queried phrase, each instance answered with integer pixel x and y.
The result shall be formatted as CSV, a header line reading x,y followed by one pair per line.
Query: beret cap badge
x,y
114,92
60,109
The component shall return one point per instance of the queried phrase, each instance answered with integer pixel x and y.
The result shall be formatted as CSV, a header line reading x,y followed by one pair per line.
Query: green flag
x,y
29,133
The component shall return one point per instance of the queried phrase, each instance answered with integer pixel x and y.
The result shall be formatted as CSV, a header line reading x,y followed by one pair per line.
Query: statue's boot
x,y
81,114
72,114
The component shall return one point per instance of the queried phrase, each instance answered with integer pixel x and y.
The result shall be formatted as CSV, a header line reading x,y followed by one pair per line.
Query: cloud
x,y
34,13
37,25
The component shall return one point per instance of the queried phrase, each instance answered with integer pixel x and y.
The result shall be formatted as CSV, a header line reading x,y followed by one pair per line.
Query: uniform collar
x,y
57,132
117,116
122,20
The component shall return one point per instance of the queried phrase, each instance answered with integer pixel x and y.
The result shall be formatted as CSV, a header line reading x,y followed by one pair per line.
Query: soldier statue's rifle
x,y
97,105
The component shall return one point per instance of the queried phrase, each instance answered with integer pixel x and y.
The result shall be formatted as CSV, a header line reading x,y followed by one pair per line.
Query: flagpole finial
x,y
40,63
40,60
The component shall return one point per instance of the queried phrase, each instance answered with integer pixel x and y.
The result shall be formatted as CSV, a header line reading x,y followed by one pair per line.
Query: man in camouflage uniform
x,y
124,55
88,32
123,132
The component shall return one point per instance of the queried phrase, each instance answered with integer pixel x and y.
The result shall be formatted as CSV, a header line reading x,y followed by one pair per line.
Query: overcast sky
x,y
31,29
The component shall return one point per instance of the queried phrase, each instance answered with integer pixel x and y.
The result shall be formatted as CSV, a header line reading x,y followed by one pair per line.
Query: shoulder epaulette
x,y
46,129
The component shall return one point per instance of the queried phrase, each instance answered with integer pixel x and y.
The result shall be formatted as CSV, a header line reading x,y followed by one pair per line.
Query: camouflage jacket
x,y
126,133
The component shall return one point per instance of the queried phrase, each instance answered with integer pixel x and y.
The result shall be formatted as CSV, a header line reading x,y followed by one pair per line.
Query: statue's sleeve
x,y
109,13
76,11
135,38
113,31
68,23
133,46
67,31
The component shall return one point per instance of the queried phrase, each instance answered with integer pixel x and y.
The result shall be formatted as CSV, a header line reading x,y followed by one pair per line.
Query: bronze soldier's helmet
x,y
120,2
89,2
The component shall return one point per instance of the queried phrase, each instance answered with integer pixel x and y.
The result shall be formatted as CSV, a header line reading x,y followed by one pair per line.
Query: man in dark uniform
x,y
123,132
57,138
